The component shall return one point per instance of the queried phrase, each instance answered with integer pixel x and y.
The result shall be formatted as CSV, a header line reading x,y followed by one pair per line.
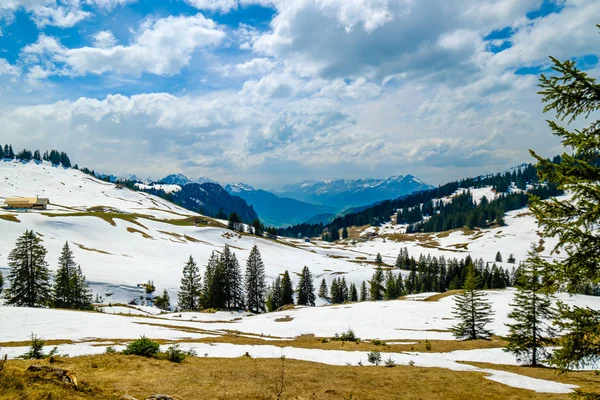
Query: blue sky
x,y
276,91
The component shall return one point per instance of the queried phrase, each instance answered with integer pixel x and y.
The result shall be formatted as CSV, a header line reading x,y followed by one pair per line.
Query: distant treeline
x,y
54,156
456,214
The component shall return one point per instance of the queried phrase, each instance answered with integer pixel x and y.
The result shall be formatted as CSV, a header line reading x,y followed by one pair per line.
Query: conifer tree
x,y
29,278
1,282
399,285
353,293
164,301
63,288
399,260
233,289
82,295
336,294
190,289
344,291
391,291
275,297
306,290
377,290
344,233
378,259
287,290
363,292
498,257
531,309
472,309
323,291
255,282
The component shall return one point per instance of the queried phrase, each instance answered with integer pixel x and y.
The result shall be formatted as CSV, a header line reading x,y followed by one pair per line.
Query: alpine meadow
x,y
300,199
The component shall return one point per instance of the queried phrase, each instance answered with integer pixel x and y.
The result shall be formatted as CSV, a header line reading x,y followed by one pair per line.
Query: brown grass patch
x,y
586,380
112,376
133,230
9,217
82,247
287,318
439,296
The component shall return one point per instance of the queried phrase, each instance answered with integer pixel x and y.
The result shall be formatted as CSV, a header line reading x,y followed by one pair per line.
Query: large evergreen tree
x,y
287,290
190,289
377,290
323,291
472,309
306,290
531,311
82,295
363,292
234,289
29,278
573,95
255,282
391,290
64,278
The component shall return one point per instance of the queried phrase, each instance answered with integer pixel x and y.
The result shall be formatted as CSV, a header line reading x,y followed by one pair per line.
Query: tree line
x,y
224,287
54,156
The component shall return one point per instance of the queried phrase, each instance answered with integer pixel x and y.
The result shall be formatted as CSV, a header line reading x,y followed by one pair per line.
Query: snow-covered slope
x,y
122,237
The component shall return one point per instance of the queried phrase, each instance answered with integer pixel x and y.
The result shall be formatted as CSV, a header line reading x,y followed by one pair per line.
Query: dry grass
x,y
144,234
586,380
9,217
82,247
287,318
112,376
439,296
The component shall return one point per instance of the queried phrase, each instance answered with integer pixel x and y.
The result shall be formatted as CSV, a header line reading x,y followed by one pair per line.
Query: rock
x,y
160,397
62,374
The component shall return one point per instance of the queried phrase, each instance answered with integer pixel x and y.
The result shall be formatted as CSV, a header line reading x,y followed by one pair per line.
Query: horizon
x,y
268,92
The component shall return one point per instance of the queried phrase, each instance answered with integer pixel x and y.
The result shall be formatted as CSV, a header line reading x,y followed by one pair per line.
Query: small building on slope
x,y
35,203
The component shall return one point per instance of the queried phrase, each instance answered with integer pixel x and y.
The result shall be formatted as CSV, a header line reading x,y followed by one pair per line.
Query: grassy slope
x,y
111,376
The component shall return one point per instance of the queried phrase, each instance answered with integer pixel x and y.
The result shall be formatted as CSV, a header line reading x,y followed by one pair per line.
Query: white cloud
x,y
104,39
59,13
7,69
161,47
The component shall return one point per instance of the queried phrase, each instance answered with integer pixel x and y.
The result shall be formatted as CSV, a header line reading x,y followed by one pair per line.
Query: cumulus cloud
x,y
104,39
162,47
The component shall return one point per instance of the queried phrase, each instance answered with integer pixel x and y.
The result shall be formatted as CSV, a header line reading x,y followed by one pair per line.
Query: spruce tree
x,y
399,285
573,96
164,301
63,289
363,292
190,289
335,291
378,259
234,290
377,290
255,282
287,290
276,295
498,257
344,233
29,278
82,295
531,309
1,282
353,293
306,290
472,309
391,291
323,291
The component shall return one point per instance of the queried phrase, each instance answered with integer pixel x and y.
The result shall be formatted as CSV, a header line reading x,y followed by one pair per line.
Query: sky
x,y
269,92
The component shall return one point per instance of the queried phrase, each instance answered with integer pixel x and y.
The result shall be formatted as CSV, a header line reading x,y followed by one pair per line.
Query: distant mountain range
x,y
182,180
278,211
343,193
309,201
